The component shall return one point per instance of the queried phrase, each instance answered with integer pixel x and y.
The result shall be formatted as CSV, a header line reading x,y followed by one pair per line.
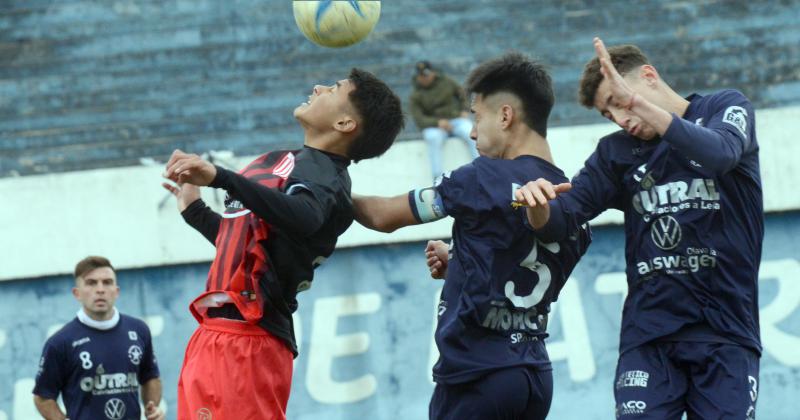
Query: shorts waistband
x,y
232,326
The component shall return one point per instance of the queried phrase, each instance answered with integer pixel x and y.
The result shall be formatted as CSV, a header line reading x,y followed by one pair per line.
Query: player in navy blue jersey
x,y
100,359
685,172
284,213
500,279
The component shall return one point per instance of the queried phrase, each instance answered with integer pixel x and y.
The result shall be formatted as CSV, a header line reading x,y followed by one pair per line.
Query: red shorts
x,y
234,371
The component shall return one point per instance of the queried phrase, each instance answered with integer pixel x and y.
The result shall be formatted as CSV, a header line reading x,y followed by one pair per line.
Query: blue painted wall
x,y
366,328
97,83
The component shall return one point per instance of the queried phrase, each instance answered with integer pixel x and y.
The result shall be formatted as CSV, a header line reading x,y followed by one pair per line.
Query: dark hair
x,y
624,58
522,77
381,115
90,263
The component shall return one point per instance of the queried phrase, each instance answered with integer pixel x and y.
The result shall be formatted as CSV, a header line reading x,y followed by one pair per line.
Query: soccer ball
x,y
336,23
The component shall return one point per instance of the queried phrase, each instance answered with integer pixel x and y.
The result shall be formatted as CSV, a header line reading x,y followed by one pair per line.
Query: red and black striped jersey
x,y
284,213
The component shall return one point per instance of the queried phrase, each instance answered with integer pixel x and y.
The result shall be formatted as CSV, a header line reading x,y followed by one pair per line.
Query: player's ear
x,y
506,116
345,124
649,74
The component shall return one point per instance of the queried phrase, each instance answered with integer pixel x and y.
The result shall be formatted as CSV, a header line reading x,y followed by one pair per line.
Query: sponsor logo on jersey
x,y
103,383
633,378
676,196
737,117
83,340
135,354
114,409
204,414
665,232
694,260
133,336
234,208
502,318
631,407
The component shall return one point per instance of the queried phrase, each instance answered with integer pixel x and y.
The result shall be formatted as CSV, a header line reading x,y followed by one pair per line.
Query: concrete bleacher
x,y
93,83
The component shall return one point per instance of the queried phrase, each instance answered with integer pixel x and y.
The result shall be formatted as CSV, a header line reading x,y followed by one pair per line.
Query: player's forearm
x,y
48,408
384,214
203,219
717,150
653,115
299,213
151,391
550,226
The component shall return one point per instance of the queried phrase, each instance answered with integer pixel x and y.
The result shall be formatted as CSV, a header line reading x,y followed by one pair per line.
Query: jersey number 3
x,y
531,262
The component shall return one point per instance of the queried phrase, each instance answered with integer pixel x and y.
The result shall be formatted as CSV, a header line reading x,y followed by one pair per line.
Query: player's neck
x,y
532,144
328,142
674,103
104,321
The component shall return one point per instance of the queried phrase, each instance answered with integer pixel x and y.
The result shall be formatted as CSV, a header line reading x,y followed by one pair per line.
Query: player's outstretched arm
x,y
437,259
384,214
48,408
194,210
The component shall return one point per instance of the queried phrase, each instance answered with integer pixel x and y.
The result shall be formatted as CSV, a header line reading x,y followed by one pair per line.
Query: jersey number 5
x,y
531,262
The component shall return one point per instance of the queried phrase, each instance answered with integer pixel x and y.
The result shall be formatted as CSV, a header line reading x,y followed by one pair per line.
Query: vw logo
x,y
135,354
666,232
114,409
203,414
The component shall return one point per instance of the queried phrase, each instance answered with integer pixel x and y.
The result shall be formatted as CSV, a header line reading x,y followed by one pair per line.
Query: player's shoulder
x,y
132,323
726,97
65,334
617,141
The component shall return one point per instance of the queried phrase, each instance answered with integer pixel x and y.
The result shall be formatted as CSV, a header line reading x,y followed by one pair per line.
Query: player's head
x,y
641,76
425,73
359,116
96,286
511,95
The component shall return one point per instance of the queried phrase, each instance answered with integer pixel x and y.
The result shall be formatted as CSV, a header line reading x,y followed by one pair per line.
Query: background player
x,y
686,174
501,279
284,213
85,359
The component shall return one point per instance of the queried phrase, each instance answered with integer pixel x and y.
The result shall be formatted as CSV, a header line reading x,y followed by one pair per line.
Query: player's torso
x,y
500,279
103,369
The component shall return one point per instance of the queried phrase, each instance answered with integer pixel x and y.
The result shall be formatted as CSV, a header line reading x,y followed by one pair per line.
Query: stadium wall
x,y
365,330
55,220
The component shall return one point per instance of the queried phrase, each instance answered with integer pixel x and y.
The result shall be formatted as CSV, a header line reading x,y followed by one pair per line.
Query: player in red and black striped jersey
x,y
284,213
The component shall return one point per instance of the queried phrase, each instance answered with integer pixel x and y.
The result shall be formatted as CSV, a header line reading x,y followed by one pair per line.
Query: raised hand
x,y
436,255
622,95
185,167
185,194
535,195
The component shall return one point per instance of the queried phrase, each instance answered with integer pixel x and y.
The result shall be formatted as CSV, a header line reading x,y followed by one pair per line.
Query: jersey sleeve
x,y
303,208
594,189
727,135
52,373
149,367
461,192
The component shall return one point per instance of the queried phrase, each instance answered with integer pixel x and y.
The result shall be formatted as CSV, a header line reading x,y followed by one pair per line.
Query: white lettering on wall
x,y
327,346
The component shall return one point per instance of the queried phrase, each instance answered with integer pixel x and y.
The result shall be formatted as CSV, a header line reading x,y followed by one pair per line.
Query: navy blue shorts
x,y
508,394
662,380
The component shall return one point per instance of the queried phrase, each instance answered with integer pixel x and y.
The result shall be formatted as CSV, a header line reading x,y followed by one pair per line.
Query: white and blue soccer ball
x,y
336,23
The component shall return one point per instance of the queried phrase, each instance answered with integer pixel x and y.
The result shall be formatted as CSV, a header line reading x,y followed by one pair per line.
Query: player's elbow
x,y
380,224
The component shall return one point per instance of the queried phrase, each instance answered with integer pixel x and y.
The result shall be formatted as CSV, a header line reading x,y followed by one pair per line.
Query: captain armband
x,y
426,203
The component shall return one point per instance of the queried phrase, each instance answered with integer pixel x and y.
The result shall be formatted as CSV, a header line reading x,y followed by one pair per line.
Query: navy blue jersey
x,y
97,372
500,278
694,221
